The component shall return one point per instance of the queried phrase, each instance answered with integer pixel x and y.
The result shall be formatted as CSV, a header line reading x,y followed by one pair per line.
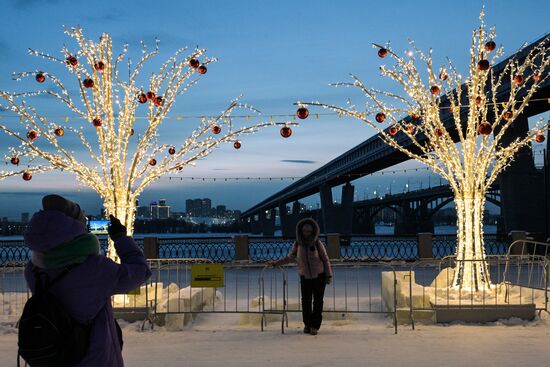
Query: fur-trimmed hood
x,y
315,234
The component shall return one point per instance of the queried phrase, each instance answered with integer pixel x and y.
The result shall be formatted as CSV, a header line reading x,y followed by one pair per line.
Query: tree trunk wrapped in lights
x,y
472,164
120,164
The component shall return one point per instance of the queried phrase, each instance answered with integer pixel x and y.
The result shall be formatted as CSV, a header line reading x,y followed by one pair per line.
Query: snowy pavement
x,y
222,340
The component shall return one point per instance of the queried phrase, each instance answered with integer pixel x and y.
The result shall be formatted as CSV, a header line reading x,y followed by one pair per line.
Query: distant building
x,y
160,210
221,210
143,212
24,217
198,207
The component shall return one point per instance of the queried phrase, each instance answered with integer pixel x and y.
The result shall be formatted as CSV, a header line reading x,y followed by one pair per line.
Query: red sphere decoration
x,y
27,176
479,100
439,132
59,131
393,130
40,78
483,65
150,95
537,76
382,52
99,66
88,83
142,98
485,129
435,89
152,161
158,101
443,76
32,135
490,46
202,69
380,117
237,145
519,79
14,160
131,132
507,115
97,122
216,129
286,132
415,116
172,150
411,128
302,113
194,63
539,137
72,61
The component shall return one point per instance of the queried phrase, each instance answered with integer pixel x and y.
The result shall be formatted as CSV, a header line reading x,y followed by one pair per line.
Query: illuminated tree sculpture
x,y
117,163
473,163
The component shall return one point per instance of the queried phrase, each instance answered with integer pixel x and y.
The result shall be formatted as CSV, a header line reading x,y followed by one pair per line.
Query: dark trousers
x,y
313,290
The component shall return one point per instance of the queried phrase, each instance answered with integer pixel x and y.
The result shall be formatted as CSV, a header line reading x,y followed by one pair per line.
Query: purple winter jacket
x,y
86,290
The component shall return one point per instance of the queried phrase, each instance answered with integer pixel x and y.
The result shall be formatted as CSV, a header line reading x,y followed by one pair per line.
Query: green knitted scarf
x,y
75,251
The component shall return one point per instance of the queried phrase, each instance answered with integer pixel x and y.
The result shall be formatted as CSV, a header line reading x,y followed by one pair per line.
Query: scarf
x,y
74,251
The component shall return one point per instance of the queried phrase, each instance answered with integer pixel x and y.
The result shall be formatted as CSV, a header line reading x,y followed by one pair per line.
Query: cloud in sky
x,y
303,161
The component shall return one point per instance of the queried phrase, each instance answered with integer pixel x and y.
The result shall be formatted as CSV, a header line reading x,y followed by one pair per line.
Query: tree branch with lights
x,y
473,163
118,163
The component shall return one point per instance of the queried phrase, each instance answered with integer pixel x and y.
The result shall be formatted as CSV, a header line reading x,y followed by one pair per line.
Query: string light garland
x,y
123,165
474,163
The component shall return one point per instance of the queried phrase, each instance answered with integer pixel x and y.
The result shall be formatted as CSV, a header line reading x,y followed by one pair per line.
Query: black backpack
x,y
48,335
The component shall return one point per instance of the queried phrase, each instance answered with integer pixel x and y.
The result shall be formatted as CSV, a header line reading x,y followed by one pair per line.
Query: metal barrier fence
x,y
262,249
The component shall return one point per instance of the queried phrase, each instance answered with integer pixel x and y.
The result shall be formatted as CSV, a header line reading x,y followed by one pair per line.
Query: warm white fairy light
x,y
119,171
474,163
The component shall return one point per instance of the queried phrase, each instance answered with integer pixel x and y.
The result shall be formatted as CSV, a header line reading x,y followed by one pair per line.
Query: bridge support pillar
x,y
289,221
255,224
267,222
363,221
521,206
406,223
337,218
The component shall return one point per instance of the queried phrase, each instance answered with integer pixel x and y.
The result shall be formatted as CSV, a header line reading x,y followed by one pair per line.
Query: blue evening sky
x,y
272,52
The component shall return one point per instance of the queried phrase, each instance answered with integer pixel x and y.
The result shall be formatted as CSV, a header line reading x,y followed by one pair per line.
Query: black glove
x,y
116,229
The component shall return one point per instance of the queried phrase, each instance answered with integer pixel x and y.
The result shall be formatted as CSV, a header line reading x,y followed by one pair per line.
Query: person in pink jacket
x,y
314,269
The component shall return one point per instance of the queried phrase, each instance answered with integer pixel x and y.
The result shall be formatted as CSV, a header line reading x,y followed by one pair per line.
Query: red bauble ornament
x,y
302,113
539,137
411,128
88,83
382,52
158,101
131,132
142,98
507,115
152,161
32,135
439,132
485,128
519,79
434,89
40,78
97,122
150,95
216,129
237,145
443,76
393,130
415,116
172,150
483,65
72,61
490,46
286,132
99,66
194,63
59,131
478,100
27,176
380,117
14,161
537,76
202,69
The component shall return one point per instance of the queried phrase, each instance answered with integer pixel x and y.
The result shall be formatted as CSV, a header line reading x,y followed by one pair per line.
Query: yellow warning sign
x,y
207,275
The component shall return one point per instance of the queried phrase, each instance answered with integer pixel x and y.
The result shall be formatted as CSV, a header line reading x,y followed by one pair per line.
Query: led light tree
x,y
469,153
117,163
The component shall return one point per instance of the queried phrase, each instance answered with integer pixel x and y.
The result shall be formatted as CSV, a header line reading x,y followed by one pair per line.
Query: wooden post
x,y
241,247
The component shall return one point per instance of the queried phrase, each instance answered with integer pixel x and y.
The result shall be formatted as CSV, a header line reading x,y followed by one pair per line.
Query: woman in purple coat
x,y
314,269
58,238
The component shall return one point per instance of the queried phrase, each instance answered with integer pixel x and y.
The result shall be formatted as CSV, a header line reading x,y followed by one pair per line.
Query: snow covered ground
x,y
223,340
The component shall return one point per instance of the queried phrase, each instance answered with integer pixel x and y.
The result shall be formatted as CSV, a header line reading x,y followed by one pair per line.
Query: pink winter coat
x,y
311,256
